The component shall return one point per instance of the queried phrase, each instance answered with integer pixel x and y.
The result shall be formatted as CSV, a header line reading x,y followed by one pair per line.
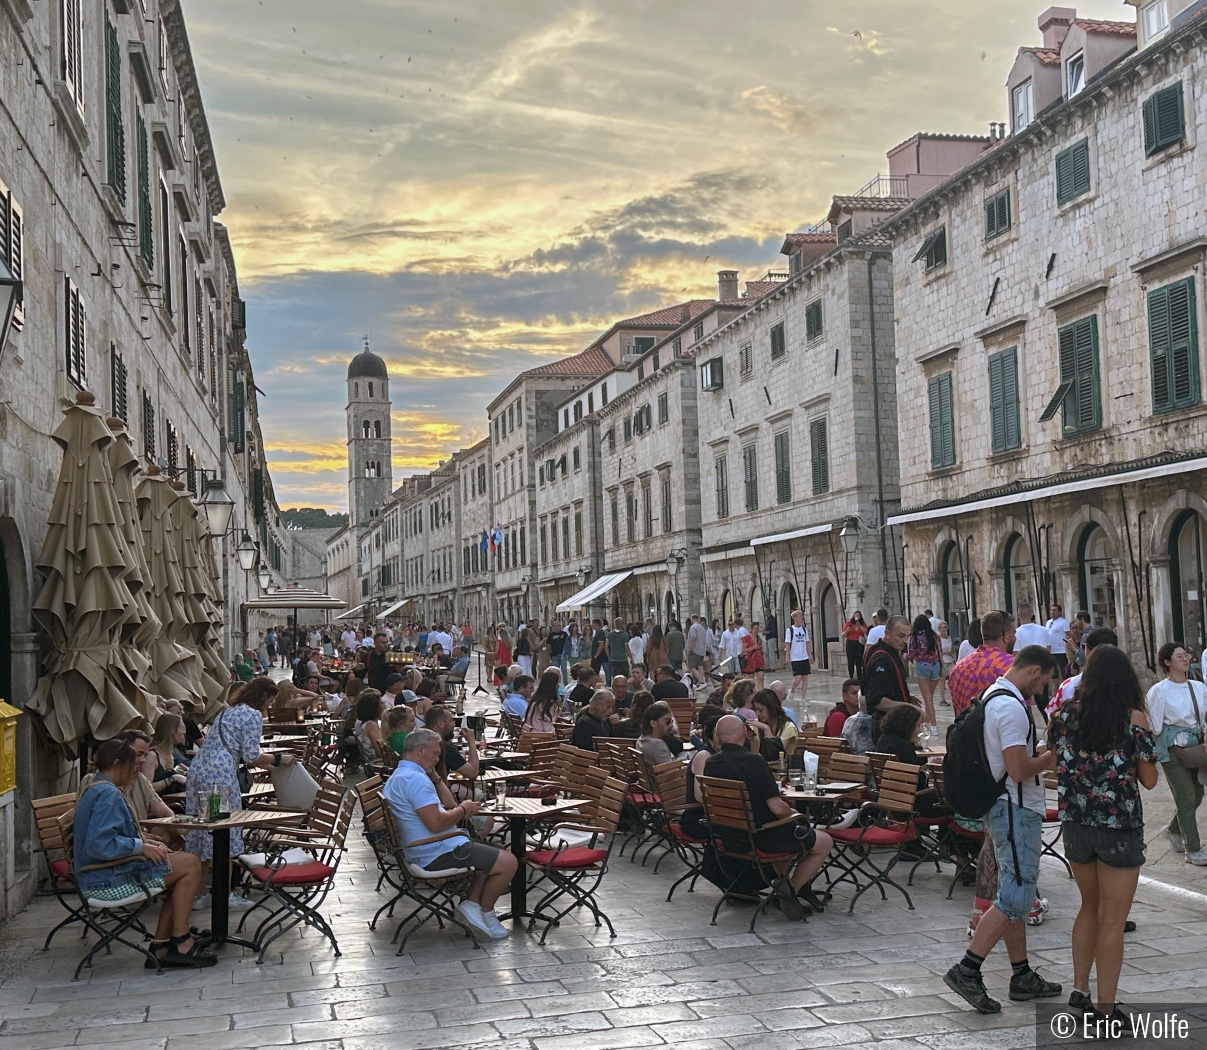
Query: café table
x,y
518,812
504,756
221,832
492,776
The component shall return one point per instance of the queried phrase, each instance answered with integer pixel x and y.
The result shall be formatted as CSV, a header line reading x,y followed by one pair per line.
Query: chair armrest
x,y
781,822
115,863
576,827
451,833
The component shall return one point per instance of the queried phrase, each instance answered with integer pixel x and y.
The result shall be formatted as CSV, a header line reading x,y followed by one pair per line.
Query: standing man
x,y
731,645
618,649
697,648
985,664
378,670
348,639
1015,824
676,644
771,635
559,654
1028,632
599,649
879,619
1057,627
885,674
796,642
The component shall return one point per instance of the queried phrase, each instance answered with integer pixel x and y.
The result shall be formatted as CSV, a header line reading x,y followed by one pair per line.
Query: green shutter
x,y
942,422
820,456
1164,119
997,214
146,225
1078,344
783,469
813,320
1003,400
777,341
115,129
1173,346
1072,172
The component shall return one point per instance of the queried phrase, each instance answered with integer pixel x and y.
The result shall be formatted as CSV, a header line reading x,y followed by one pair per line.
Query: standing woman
x,y
855,634
523,649
1176,708
947,661
1104,751
502,654
657,654
636,645
752,658
490,645
926,655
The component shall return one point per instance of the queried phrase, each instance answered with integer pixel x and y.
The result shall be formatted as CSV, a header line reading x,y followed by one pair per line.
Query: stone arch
x,y
1166,515
1075,525
1000,544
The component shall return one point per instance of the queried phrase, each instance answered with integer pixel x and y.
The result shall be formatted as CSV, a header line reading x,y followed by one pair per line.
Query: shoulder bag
x,y
1192,754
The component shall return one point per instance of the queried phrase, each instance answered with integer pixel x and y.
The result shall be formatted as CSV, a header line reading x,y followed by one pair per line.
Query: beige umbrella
x,y
88,689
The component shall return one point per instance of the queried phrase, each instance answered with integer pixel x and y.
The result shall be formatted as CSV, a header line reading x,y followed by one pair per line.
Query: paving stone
x,y
613,1039
675,993
272,1036
541,1027
638,1015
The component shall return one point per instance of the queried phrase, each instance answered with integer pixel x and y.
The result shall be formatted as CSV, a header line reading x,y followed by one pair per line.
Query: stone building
x,y
109,189
1049,303
475,590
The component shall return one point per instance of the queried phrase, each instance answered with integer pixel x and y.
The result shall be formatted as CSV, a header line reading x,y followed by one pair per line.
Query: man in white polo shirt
x,y
1057,627
1028,632
879,619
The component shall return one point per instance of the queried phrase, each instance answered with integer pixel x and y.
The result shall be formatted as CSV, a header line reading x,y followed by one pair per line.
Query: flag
x,y
484,542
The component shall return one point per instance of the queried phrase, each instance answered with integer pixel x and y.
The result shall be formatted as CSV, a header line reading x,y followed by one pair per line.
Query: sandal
x,y
156,948
196,957
204,937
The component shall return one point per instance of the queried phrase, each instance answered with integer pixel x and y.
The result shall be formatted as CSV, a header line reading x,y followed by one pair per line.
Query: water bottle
x,y
215,804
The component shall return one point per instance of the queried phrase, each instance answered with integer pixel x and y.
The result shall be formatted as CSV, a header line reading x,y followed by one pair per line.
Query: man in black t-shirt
x,y
581,694
668,686
439,719
885,680
556,639
378,669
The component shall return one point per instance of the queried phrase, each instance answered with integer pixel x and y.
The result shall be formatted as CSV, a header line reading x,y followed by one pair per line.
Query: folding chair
x,y
46,813
892,827
727,806
670,780
1052,820
111,920
369,794
876,760
577,871
825,748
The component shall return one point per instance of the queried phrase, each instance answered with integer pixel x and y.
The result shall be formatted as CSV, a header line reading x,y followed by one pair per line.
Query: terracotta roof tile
x,y
1093,25
1048,56
757,289
594,361
870,203
668,316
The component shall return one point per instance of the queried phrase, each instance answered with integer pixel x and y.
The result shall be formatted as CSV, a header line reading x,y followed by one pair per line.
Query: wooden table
x,y
221,830
518,812
504,756
493,776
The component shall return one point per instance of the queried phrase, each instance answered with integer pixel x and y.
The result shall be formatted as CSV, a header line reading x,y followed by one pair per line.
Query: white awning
x,y
294,598
393,608
350,613
735,552
797,534
596,589
1125,477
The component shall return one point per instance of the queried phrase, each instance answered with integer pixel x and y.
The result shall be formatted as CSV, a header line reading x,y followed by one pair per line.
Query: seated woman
x,y
737,700
546,704
114,862
899,737
368,731
400,720
596,719
774,724
160,763
630,725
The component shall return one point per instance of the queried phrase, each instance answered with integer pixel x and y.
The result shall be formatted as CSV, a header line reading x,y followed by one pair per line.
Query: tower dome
x,y
367,364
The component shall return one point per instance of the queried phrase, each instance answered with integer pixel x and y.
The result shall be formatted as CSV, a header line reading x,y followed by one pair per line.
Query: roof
x,y
874,237
757,289
594,361
842,204
939,136
1048,56
795,240
367,364
1093,25
668,316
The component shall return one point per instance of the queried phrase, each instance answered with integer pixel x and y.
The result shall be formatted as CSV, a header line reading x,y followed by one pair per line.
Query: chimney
x,y
727,284
1054,24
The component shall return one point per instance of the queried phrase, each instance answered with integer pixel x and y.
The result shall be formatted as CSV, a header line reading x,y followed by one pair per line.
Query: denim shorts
x,y
1115,847
473,854
931,672
1013,900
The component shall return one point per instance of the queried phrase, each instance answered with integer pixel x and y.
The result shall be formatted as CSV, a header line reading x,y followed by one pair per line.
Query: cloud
x,y
541,48
794,117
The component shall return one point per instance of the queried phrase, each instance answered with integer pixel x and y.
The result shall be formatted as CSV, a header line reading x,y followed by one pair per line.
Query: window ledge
x,y
1079,201
71,116
1001,240
1168,153
114,205
943,472
938,273
1177,415
1008,455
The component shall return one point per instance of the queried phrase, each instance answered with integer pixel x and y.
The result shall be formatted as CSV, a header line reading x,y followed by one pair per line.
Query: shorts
x,y
929,672
776,840
1115,847
476,855
1015,900
695,660
801,667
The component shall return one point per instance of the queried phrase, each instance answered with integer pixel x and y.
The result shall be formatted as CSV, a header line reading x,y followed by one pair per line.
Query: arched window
x,y
356,390
955,592
1186,581
1020,584
365,428
1097,577
370,389
377,428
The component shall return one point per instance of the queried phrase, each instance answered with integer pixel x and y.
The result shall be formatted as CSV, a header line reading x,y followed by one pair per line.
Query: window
x,y
745,361
611,436
190,469
510,418
118,385
630,516
566,419
199,314
698,332
1156,19
641,420
185,327
677,346
666,503
146,222
845,231
12,243
819,455
75,341
561,465
237,407
997,214
1023,107
1078,343
641,371
778,347
578,411
377,428
615,523
481,479
628,429
656,362
721,467
577,458
813,328
166,249
115,130
565,536
934,249
712,374
578,533
71,19
1003,400
603,393
591,402
553,538
148,426
1164,119
370,390
750,473
1075,74
1073,172
794,262
1173,346
648,508
664,412
783,468
643,343
942,422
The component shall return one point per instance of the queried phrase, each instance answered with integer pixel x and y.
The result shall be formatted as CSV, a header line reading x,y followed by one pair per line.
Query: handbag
x,y
1193,756
241,771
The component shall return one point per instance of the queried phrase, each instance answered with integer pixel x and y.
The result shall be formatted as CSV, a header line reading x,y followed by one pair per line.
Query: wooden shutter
x,y
751,477
997,214
1173,346
819,451
75,343
722,471
148,426
666,506
777,340
942,423
1164,119
783,468
146,222
1072,172
813,320
115,129
1003,400
1078,344
118,384
71,23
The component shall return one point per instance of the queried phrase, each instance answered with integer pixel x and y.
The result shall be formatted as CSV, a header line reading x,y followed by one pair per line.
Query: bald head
x,y
731,730
780,690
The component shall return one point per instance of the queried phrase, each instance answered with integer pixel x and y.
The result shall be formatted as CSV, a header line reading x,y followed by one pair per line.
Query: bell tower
x,y
370,470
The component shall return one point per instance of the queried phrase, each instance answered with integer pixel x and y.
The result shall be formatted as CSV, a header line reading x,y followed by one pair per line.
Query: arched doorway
x,y
1096,574
830,626
955,596
670,608
1186,581
727,609
1016,564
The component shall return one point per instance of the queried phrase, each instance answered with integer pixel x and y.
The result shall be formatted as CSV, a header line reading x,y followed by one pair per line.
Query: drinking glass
x,y
796,778
501,793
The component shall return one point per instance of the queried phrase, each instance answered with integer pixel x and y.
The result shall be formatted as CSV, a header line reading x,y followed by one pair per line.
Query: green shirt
x,y
674,645
396,740
618,647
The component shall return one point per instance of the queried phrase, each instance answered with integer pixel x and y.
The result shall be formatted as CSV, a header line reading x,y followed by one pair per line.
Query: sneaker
x,y
1176,842
497,930
1037,913
785,899
1080,1001
1031,986
201,903
971,989
945,703
1198,857
471,914
236,903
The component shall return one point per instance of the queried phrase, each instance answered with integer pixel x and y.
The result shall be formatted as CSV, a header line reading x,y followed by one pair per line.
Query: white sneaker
x,y
201,903
1176,842
1198,857
497,930
471,914
237,903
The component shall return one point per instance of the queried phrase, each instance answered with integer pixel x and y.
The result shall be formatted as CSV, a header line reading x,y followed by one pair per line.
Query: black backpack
x,y
970,787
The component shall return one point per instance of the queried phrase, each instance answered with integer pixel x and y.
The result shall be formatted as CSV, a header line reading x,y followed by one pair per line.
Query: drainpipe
x,y
879,452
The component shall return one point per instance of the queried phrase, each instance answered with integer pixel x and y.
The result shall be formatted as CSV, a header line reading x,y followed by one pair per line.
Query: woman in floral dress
x,y
1104,752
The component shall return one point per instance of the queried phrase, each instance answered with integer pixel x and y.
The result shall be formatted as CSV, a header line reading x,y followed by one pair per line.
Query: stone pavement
x,y
874,978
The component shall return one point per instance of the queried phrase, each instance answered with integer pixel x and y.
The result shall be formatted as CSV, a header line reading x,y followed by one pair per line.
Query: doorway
x,y
831,624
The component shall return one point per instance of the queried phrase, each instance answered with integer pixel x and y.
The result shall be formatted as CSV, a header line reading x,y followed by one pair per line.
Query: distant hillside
x,y
313,518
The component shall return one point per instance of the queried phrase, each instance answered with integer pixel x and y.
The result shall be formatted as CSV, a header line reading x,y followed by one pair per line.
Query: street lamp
x,y
264,576
849,537
247,552
672,565
11,296
580,578
218,507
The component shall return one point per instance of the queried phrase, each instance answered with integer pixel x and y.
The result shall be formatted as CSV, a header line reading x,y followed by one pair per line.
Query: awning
x,y
1124,477
798,534
296,598
597,589
350,613
393,608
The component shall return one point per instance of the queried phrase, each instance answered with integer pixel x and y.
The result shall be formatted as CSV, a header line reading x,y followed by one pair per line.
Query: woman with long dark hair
x,y
926,655
1104,751
545,704
855,634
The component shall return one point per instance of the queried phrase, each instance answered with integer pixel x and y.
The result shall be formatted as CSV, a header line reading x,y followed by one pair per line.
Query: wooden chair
x,y
877,759
825,747
684,710
735,839
670,782
51,843
964,843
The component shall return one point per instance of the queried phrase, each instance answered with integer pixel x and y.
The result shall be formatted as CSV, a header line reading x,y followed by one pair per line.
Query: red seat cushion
x,y
575,857
637,797
295,874
61,869
1051,816
872,836
682,835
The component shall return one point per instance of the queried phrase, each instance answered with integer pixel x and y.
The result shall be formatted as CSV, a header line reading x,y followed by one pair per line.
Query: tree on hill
x,y
312,518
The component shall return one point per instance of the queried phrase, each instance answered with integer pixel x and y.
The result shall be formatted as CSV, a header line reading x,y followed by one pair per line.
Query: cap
x,y
393,679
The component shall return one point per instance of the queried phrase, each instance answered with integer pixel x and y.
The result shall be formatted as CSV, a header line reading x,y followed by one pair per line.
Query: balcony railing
x,y
885,186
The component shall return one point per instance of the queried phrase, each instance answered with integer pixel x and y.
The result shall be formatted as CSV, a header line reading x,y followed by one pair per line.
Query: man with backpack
x,y
994,769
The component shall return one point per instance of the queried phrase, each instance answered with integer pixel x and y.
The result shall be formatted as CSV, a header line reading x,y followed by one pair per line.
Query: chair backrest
x,y
610,804
684,710
849,767
512,725
726,804
825,748
877,759
543,753
325,812
46,812
670,782
898,785
529,738
619,756
65,832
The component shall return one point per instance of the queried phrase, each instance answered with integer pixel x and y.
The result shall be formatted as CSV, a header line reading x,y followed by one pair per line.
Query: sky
x,y
481,187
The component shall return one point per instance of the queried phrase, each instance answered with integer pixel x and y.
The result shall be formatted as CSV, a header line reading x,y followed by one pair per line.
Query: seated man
x,y
638,680
847,706
668,684
734,762
427,820
624,692
516,701
439,719
657,732
395,687
584,689
439,657
460,662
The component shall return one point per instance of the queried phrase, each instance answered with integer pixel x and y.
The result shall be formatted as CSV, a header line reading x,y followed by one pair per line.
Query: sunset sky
x,y
482,187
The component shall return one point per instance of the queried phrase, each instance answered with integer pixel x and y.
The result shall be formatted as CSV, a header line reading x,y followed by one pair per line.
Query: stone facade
x,y
1099,506
475,595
